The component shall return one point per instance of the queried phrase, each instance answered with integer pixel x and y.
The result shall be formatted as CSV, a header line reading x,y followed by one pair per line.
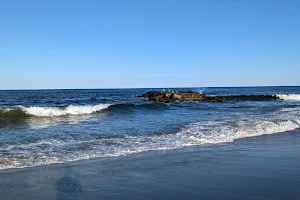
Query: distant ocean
x,y
42,127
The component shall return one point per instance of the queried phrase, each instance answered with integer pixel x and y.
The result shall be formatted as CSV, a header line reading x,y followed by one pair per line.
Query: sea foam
x,y
54,150
289,97
69,110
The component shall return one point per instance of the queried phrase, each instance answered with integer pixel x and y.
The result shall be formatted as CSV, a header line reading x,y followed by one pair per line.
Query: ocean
x,y
43,127
109,144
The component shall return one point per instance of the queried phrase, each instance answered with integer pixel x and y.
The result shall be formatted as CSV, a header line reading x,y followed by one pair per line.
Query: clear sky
x,y
150,43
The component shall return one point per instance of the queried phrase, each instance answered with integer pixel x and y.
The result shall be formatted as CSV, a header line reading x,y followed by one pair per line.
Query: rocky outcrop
x,y
172,96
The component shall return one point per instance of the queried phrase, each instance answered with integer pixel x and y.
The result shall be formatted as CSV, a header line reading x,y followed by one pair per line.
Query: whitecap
x,y
69,110
289,97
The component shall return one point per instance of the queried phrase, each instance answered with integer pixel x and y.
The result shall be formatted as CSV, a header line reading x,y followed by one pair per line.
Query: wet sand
x,y
265,167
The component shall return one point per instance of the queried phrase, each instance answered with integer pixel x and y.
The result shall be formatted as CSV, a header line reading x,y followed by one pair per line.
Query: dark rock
x,y
171,96
214,99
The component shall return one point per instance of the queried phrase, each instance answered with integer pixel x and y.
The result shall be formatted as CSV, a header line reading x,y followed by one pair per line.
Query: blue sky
x,y
153,43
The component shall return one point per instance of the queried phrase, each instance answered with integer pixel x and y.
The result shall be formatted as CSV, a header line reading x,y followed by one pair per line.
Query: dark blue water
x,y
40,127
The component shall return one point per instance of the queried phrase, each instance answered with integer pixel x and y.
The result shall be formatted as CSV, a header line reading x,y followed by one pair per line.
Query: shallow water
x,y
43,127
257,168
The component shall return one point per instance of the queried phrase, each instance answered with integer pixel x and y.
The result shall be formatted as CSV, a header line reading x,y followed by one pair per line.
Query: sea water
x,y
41,127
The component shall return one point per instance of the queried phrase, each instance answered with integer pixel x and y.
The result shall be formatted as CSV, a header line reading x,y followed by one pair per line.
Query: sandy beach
x,y
265,167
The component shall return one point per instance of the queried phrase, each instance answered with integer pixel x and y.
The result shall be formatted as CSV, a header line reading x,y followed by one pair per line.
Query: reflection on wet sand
x,y
68,187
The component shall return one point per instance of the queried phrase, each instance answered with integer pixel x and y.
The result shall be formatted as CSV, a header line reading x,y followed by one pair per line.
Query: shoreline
x,y
264,167
165,151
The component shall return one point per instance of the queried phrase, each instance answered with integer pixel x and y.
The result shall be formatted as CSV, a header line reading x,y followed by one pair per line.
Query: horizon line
x,y
116,88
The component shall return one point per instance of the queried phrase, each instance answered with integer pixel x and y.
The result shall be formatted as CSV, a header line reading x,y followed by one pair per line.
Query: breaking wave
x,y
21,111
289,97
54,150
263,97
35,111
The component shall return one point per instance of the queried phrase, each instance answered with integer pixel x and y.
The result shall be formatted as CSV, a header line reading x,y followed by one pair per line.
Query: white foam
x,y
290,109
56,151
50,151
289,97
69,110
201,90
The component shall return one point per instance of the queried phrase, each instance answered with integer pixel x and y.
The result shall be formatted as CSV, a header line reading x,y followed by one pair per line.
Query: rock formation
x,y
172,96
